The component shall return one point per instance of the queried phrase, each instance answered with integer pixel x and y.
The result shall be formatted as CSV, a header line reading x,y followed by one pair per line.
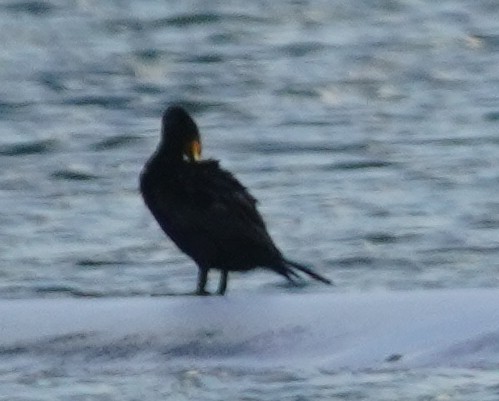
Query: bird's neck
x,y
167,154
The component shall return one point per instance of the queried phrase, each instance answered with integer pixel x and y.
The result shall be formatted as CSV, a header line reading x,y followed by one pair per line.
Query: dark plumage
x,y
207,212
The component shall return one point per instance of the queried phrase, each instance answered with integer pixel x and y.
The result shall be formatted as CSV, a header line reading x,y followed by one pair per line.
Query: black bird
x,y
205,210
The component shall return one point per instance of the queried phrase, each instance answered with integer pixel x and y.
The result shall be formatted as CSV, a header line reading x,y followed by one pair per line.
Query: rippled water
x,y
263,385
367,129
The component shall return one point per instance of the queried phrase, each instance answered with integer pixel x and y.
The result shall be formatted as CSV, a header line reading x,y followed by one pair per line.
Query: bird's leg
x,y
202,280
222,285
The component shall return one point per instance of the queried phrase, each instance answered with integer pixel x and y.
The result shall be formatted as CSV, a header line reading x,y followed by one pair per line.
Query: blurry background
x,y
367,130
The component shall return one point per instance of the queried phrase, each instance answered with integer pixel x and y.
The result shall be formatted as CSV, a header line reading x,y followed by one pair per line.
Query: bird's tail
x,y
289,272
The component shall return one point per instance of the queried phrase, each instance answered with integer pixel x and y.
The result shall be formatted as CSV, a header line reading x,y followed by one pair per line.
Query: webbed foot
x,y
203,293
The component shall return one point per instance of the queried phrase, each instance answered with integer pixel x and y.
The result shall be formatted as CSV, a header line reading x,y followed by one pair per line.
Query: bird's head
x,y
180,135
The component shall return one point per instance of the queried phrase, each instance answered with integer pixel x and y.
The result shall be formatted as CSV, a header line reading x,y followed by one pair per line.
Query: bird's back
x,y
209,214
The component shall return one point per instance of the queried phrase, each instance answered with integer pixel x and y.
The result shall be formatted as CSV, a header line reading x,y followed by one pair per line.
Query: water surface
x,y
367,130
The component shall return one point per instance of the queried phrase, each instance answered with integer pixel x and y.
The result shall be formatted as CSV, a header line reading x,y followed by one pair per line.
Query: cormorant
x,y
205,210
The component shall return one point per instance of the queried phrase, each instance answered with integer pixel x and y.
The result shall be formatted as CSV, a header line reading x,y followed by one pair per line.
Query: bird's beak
x,y
193,150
